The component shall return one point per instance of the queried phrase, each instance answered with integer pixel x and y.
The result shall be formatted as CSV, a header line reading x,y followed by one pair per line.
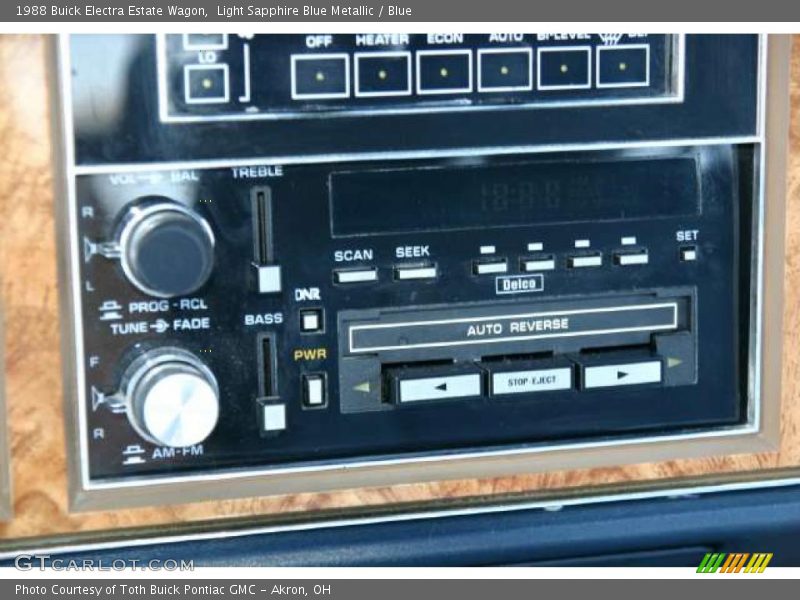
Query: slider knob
x,y
171,397
166,249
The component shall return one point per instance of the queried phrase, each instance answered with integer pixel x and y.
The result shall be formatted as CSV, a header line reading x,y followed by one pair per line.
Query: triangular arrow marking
x,y
673,362
362,387
442,387
621,374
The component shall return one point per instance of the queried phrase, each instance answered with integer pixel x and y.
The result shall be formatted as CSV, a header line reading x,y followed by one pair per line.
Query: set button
x,y
630,258
688,253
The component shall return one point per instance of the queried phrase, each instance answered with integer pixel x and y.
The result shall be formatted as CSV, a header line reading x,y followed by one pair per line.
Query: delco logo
x,y
519,284
723,562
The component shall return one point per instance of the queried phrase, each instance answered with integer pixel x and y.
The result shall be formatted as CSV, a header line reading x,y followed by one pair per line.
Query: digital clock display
x,y
512,194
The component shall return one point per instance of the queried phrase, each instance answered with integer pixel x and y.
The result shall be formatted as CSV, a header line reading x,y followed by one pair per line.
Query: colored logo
x,y
723,562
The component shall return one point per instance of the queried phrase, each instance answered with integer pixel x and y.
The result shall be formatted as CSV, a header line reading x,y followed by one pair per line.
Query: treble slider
x,y
361,275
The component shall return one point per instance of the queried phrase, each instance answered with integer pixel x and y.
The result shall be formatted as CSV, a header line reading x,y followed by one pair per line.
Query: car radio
x,y
298,262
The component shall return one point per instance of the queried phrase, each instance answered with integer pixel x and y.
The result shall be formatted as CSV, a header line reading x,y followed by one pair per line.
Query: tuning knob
x,y
166,249
171,397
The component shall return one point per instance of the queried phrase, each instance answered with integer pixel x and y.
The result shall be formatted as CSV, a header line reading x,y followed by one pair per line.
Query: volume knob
x,y
166,249
172,398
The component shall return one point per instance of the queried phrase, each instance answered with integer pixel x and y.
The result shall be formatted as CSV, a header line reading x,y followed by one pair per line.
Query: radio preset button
x,y
538,263
415,272
493,266
585,260
504,69
355,275
564,68
625,259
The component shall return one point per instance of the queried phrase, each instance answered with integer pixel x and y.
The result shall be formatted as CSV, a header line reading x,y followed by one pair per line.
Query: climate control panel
x,y
304,262
212,76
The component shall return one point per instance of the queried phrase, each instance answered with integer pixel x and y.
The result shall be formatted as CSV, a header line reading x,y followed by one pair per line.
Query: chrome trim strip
x,y
402,155
547,505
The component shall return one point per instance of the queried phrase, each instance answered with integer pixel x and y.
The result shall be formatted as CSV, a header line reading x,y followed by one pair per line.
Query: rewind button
x,y
418,385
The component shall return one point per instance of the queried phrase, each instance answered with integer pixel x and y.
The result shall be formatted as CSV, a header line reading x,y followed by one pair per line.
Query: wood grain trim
x,y
32,361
